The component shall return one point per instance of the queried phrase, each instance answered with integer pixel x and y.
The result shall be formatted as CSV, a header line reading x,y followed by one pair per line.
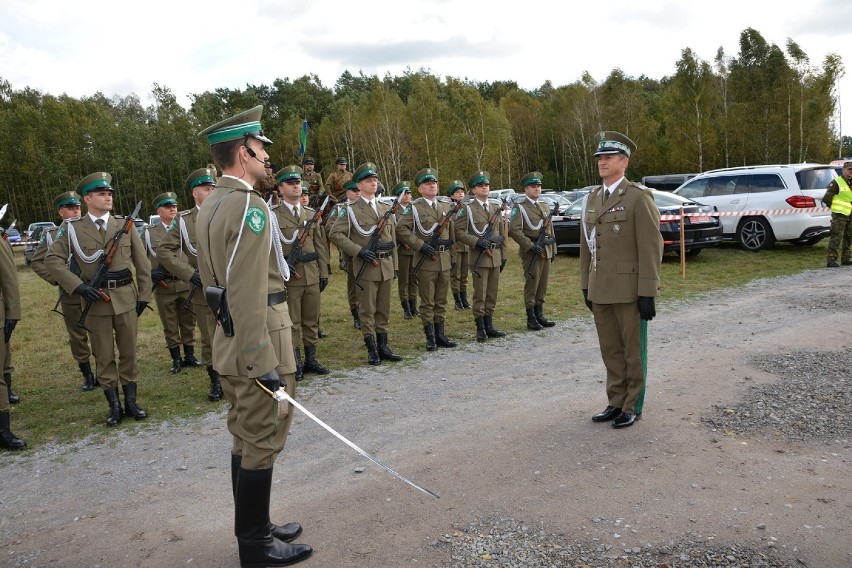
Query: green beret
x,y
478,177
167,198
67,198
245,124
351,186
342,161
94,182
531,178
308,160
610,142
426,174
366,170
401,188
455,186
288,174
200,176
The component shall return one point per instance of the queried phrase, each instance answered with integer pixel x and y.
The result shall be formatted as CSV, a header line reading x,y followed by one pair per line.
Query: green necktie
x,y
101,228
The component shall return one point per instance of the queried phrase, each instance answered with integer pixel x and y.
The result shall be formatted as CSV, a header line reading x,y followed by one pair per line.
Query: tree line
x,y
763,105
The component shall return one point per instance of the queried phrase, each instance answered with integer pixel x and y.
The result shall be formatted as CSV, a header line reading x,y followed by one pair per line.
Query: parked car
x,y
153,220
500,193
763,196
28,233
700,231
140,227
13,235
32,243
668,182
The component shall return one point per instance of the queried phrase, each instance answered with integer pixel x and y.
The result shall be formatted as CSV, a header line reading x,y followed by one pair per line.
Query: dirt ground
x,y
498,429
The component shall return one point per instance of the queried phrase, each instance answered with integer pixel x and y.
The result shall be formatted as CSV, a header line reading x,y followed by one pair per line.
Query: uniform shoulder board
x,y
638,185
311,209
418,200
120,216
444,199
186,212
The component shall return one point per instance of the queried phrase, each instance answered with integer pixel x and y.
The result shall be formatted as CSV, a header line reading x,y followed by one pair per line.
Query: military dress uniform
x,y
405,285
470,227
10,310
838,197
170,293
417,226
335,183
621,251
338,213
70,304
112,323
528,219
461,256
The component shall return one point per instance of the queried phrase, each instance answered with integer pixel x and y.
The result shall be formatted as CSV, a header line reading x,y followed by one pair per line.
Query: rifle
x,y
304,231
3,211
436,236
487,234
541,240
187,303
374,239
106,260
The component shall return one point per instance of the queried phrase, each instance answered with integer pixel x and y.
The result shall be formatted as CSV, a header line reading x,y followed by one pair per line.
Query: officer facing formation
x,y
312,178
621,250
838,197
178,254
480,225
335,183
338,214
170,292
84,241
458,276
416,229
405,285
252,345
68,206
530,227
10,310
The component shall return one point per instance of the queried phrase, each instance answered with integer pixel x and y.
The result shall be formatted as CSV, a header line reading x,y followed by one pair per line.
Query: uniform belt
x,y
442,248
276,298
494,246
112,284
382,255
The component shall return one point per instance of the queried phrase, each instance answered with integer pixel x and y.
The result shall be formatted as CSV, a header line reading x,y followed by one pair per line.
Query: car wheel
x,y
755,234
693,252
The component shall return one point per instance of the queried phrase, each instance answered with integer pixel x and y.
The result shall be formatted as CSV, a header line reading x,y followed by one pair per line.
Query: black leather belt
x,y
276,298
442,248
112,284
494,246
383,255
309,257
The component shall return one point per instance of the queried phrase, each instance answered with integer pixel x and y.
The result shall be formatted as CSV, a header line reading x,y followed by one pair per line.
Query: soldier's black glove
x,y
140,307
502,264
586,299
90,293
158,274
483,243
270,380
428,250
8,328
323,283
647,309
195,280
367,255
537,250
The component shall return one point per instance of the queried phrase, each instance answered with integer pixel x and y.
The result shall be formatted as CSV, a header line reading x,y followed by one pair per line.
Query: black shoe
x,y
538,310
13,398
463,295
372,351
412,305
532,322
286,533
356,318
480,329
429,332
130,406
311,363
177,363
626,419
832,264
406,310
385,351
457,298
114,416
441,338
321,334
608,414
489,327
89,381
297,354
7,439
189,359
215,385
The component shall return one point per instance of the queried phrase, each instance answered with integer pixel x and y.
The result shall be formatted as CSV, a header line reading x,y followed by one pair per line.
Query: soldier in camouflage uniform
x,y
838,197
335,184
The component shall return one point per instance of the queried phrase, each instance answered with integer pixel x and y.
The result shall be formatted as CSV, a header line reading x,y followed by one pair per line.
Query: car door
x,y
727,192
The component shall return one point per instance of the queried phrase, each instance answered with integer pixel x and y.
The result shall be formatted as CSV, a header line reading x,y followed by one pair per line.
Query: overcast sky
x,y
118,47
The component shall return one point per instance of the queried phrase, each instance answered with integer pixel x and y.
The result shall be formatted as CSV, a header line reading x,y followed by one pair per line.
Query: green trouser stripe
x,y
643,347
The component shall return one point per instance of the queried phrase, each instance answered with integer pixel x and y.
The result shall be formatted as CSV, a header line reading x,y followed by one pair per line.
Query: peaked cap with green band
x,y
426,174
351,186
200,176
288,173
401,188
97,181
365,170
67,198
610,142
167,198
478,177
455,186
245,124
531,178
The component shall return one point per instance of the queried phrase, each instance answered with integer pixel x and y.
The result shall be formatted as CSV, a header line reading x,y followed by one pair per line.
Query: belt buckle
x,y
111,284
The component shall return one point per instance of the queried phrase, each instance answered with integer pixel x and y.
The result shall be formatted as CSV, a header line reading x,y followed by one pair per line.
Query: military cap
x,y
478,177
455,186
401,188
426,174
67,198
243,125
201,176
610,142
847,165
531,178
272,165
365,170
97,181
167,198
308,160
289,173
342,161
305,188
351,186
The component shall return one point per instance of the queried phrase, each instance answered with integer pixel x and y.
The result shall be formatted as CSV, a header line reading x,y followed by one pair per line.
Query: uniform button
x,y
249,367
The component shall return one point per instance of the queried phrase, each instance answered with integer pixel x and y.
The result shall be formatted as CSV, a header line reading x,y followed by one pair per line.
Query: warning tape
x,y
756,212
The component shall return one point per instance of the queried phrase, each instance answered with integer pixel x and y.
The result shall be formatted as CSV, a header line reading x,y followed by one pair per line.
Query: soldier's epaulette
x,y
311,209
638,185
444,199
120,216
186,212
419,200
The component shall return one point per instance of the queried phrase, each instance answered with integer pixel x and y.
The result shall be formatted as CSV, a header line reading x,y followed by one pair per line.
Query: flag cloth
x,y
303,138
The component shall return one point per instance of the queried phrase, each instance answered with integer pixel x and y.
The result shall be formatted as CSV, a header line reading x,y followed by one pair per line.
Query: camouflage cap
x,y
167,198
243,125
454,187
401,188
847,165
424,175
201,176
94,182
610,142
531,178
288,173
365,170
308,160
478,177
65,199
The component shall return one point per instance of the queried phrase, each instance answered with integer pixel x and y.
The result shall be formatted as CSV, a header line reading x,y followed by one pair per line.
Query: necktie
x,y
434,206
296,212
606,195
373,206
101,228
485,206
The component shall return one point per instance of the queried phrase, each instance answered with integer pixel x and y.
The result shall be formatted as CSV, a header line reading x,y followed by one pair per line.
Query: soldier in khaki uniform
x,y
529,218
245,273
470,226
417,226
311,177
458,275
170,292
351,234
10,310
621,250
267,185
178,254
68,205
352,194
308,273
405,285
335,183
112,323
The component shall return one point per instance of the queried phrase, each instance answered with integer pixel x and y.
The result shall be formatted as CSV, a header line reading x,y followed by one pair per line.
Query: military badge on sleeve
x,y
256,220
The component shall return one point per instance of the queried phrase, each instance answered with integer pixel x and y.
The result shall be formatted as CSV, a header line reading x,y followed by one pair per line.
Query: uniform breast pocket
x,y
615,223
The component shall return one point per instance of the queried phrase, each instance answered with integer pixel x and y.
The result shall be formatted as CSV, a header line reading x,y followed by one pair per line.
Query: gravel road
x,y
742,457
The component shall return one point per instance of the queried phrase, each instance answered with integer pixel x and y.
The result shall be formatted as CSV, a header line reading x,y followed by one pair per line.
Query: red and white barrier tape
x,y
763,212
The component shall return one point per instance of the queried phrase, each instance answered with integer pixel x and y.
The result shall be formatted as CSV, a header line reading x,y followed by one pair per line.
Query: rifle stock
x,y
539,241
436,236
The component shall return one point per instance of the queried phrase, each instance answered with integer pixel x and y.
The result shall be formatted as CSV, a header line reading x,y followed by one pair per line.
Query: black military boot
x,y
356,318
7,439
13,398
480,329
441,339
89,380
406,309
490,330
458,299
215,385
429,331
300,370
412,305
385,351
539,316
532,322
463,295
286,533
189,359
130,406
256,544
311,363
372,351
114,416
176,360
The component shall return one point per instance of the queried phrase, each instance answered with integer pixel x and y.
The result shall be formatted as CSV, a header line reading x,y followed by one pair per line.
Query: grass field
x,y
54,409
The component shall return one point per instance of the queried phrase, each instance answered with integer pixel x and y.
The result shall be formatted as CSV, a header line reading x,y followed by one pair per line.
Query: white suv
x,y
762,195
